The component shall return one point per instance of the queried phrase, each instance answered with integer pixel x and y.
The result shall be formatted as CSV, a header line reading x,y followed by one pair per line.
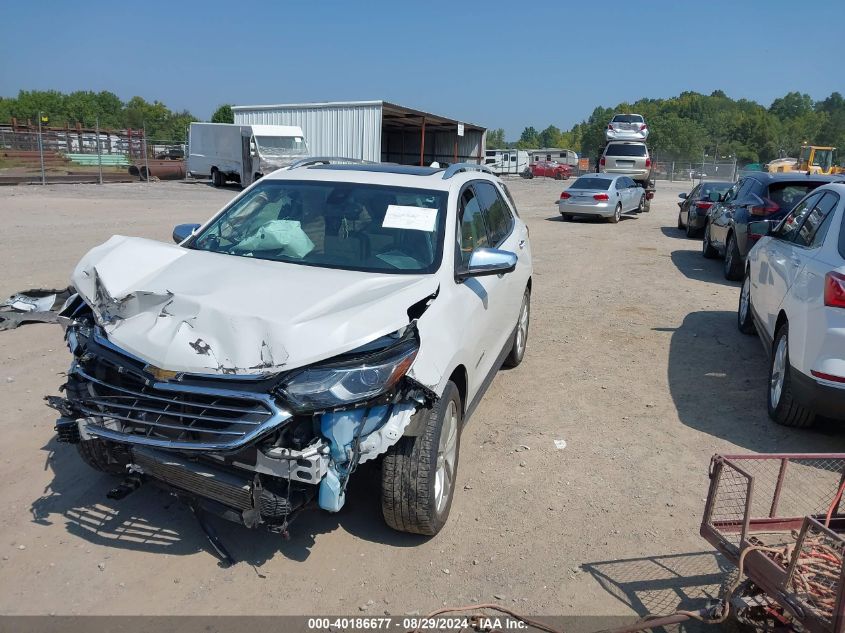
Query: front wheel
x,y
641,205
782,406
418,473
520,338
558,176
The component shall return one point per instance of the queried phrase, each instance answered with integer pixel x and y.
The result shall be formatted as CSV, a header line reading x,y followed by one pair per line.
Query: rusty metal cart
x,y
777,517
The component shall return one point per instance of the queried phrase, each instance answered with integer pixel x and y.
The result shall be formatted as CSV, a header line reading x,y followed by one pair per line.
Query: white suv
x,y
329,315
794,293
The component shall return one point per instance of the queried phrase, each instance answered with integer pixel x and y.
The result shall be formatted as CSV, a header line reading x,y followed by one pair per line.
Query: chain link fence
x,y
692,171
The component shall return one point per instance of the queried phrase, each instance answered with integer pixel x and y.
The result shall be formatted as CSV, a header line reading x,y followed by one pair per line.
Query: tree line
x,y
86,107
692,125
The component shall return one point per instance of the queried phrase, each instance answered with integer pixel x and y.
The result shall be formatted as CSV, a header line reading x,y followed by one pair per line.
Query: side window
x,y
814,228
473,229
792,222
745,189
510,198
499,218
731,194
695,192
620,183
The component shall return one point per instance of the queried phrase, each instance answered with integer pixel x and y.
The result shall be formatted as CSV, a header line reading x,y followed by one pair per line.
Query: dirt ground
x,y
633,359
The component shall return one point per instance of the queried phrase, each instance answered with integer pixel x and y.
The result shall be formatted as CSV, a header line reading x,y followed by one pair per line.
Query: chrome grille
x,y
122,406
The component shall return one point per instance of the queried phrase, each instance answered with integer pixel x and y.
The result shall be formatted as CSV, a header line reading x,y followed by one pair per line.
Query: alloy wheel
x,y
446,454
778,372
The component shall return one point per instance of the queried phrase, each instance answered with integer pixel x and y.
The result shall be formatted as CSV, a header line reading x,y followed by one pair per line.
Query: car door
x,y
723,219
781,264
476,294
508,235
687,203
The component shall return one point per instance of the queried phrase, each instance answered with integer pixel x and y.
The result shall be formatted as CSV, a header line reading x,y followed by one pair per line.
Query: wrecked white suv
x,y
328,316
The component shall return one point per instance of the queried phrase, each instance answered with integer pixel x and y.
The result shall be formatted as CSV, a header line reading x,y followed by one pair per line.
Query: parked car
x,y
793,294
602,195
695,205
329,315
550,169
628,158
626,127
757,196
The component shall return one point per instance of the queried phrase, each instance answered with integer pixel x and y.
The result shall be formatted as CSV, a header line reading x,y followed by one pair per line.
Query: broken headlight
x,y
344,382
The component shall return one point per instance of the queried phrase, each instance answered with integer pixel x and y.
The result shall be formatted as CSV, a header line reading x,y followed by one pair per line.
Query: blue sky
x,y
498,64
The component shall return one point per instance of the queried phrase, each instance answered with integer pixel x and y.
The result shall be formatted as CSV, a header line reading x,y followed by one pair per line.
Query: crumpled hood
x,y
200,312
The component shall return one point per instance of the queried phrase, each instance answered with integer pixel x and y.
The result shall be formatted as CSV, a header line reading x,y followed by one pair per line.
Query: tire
x,y
744,312
566,217
707,249
641,206
216,178
410,477
733,260
782,406
617,215
520,339
95,453
680,224
558,175
691,232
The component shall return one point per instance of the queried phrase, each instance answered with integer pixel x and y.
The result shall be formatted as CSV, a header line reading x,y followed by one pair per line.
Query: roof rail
x,y
328,160
457,168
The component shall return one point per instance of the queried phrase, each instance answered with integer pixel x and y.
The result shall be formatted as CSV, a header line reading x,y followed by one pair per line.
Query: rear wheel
x,y
745,320
707,248
733,260
567,217
641,206
680,223
558,175
418,473
782,406
691,231
617,214
216,178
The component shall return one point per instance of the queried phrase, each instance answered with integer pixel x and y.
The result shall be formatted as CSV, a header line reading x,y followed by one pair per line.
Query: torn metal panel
x,y
37,305
201,312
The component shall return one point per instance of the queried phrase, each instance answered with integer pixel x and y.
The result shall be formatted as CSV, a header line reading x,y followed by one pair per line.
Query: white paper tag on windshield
x,y
414,218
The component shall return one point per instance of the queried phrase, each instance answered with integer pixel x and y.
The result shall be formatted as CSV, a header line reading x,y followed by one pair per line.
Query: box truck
x,y
226,152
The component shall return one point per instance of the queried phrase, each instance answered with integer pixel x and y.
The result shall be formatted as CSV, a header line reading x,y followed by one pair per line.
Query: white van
x,y
242,153
506,161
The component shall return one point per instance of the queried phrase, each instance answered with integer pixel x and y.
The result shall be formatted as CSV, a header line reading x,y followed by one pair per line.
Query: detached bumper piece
x,y
235,497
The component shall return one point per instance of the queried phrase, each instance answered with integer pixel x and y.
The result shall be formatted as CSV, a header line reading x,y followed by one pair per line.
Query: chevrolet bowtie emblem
x,y
160,374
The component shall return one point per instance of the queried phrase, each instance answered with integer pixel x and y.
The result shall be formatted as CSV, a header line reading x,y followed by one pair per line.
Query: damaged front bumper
x,y
230,444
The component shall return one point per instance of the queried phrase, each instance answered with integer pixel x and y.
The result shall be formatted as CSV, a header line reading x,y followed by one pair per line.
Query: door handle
x,y
521,243
795,261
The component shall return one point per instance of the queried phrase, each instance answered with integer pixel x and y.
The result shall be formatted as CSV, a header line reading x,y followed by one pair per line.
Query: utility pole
x,y
41,150
146,162
99,156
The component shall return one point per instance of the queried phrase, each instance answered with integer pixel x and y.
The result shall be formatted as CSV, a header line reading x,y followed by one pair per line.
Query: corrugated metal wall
x,y
351,130
404,147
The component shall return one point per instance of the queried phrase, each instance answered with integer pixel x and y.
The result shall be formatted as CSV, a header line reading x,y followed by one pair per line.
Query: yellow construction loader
x,y
814,159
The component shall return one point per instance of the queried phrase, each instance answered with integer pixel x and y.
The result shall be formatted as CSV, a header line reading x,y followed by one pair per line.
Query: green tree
x,y
224,114
551,137
496,138
529,139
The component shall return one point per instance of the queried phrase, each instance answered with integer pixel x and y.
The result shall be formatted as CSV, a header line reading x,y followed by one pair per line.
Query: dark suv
x,y
757,196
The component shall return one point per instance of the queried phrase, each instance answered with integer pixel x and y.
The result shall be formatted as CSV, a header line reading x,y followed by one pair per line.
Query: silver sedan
x,y
602,195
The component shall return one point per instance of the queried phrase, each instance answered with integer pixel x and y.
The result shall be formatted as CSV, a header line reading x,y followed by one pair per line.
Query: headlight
x,y
340,383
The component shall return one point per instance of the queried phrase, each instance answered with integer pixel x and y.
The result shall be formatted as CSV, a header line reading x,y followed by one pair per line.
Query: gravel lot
x,y
633,359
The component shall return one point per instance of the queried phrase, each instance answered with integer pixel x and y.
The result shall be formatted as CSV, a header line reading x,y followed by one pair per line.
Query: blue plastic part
x,y
331,496
340,428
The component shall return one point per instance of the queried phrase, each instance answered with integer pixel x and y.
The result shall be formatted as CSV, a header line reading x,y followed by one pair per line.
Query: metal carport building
x,y
374,130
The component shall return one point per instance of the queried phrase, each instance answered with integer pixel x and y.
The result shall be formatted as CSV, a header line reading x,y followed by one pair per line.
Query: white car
x,y
329,315
794,293
626,127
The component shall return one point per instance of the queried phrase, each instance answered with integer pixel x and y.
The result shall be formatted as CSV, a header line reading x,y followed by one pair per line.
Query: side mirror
x,y
759,229
181,232
488,261
722,197
683,196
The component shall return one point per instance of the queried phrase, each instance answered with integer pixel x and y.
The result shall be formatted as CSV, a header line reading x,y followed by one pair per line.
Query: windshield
x,y
591,183
627,118
633,149
714,188
334,225
281,145
823,158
